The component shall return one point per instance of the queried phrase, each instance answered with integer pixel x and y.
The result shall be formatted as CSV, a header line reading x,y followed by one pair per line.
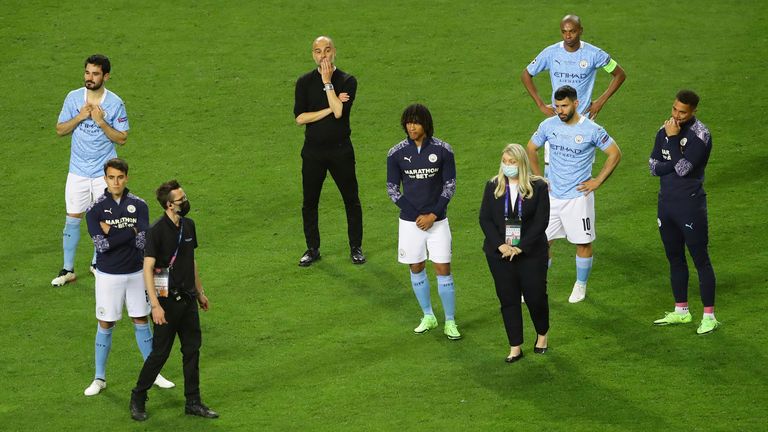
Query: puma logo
x,y
407,158
109,210
690,225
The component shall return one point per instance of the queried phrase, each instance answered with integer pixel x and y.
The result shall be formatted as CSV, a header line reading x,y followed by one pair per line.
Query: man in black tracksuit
x,y
680,155
323,103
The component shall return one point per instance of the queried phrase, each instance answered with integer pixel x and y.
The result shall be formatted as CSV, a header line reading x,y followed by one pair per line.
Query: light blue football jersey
x,y
571,151
577,69
91,148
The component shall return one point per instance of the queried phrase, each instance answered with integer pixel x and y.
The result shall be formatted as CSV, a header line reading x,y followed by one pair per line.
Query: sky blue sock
x,y
549,262
583,267
447,295
143,338
420,284
71,238
93,260
103,345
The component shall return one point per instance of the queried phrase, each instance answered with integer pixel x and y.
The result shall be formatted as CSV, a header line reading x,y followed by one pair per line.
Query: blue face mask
x,y
509,170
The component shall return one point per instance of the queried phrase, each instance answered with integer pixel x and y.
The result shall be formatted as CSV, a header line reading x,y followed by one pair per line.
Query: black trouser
x,y
183,319
340,162
684,223
526,275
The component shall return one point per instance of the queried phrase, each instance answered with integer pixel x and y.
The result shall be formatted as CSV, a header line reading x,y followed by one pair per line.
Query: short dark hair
x,y
118,164
99,60
418,114
566,91
163,193
688,97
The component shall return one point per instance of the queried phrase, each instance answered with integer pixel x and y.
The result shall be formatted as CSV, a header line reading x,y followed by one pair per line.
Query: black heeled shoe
x,y
538,350
513,359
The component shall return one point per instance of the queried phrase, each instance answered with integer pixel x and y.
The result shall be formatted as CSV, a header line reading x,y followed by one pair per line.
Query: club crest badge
x,y
583,64
433,158
131,208
578,139
683,142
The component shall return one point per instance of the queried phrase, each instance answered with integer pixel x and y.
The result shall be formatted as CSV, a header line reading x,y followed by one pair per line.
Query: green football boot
x,y
427,323
451,330
674,318
708,325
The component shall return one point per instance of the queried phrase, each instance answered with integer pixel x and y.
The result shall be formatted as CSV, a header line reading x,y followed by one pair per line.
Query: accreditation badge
x,y
512,231
162,276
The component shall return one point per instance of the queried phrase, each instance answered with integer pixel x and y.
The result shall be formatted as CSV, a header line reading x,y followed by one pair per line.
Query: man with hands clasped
x,y
97,120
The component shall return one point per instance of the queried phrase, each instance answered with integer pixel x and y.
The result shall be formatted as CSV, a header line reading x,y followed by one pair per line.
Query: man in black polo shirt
x,y
323,103
174,290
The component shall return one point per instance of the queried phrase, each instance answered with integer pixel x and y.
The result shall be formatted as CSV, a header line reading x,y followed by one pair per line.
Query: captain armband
x,y
610,66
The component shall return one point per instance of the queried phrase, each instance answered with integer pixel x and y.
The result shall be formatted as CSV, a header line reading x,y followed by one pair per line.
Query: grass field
x,y
209,92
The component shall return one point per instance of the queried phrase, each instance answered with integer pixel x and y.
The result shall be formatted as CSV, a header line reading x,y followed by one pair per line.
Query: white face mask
x,y
509,170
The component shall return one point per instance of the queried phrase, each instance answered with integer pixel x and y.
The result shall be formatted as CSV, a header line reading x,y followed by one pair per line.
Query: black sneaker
x,y
357,255
138,410
309,257
200,410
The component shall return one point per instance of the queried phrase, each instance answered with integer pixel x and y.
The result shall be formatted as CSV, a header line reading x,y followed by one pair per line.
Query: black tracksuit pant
x,y
340,162
684,223
183,319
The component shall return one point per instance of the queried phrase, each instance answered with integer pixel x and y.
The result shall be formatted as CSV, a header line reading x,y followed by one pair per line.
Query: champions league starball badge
x,y
433,158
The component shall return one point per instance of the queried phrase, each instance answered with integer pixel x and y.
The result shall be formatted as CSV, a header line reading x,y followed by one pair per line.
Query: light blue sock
x,y
103,345
93,260
583,267
143,338
447,295
420,284
71,237
549,262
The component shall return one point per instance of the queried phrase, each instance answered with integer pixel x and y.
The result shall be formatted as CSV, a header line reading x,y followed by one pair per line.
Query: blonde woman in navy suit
x,y
514,217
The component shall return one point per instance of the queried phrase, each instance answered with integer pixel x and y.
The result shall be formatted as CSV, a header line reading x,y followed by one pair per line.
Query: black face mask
x,y
183,209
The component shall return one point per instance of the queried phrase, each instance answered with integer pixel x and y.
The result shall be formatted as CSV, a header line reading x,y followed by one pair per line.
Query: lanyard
x,y
178,243
507,195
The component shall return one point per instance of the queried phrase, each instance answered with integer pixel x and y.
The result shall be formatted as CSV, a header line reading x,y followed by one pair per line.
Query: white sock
x,y
709,316
681,310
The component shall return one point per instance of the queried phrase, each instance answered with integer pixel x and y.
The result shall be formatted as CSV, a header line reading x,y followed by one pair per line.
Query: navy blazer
x,y
535,218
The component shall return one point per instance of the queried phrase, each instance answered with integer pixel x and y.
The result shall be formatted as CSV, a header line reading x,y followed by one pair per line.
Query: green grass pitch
x,y
209,91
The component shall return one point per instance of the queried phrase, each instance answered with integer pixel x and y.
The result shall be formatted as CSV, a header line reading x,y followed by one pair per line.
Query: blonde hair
x,y
525,178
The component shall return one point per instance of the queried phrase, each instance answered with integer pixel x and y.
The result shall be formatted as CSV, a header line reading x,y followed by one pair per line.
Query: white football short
x,y
80,192
573,219
115,290
415,245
